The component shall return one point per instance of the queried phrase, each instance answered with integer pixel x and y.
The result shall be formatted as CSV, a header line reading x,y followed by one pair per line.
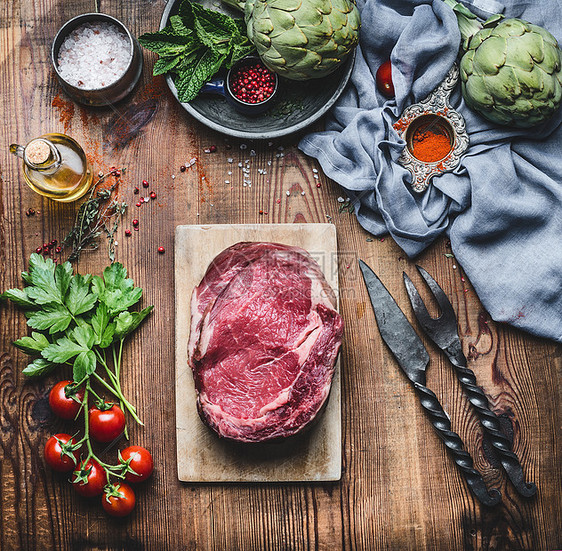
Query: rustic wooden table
x,y
399,488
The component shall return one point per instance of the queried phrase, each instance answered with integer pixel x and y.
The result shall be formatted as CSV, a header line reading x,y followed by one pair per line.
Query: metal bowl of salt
x,y
432,116
96,59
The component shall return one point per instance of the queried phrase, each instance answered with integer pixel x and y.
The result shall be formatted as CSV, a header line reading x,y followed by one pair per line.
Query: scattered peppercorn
x,y
128,233
161,250
153,195
136,190
138,204
145,183
135,222
58,250
183,168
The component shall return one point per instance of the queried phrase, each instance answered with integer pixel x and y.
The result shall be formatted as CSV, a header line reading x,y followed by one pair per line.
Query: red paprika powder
x,y
430,145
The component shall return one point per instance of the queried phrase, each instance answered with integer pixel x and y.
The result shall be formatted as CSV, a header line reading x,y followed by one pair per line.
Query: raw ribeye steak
x,y
264,341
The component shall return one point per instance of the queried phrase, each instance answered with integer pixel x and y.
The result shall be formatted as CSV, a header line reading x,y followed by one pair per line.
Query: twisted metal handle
x,y
452,440
490,422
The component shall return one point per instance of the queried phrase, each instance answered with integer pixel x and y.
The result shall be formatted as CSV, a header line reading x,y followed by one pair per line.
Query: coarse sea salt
x,y
94,55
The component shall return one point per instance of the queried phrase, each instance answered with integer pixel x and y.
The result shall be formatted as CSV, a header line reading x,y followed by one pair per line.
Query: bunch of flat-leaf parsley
x,y
195,45
81,320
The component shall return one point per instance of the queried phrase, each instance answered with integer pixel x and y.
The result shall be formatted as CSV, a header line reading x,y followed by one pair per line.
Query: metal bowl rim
x,y
72,24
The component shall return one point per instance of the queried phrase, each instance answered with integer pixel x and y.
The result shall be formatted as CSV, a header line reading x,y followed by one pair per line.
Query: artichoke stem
x,y
236,4
468,23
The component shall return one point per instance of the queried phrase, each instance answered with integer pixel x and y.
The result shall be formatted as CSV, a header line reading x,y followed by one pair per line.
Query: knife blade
x,y
395,329
408,349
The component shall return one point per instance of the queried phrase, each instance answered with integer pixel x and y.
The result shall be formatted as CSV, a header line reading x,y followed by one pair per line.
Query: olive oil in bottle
x,y
55,166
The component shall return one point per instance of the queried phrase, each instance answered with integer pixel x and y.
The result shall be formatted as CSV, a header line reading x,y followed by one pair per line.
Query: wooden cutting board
x,y
202,456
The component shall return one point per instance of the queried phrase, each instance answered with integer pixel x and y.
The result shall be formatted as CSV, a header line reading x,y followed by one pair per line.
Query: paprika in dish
x,y
430,145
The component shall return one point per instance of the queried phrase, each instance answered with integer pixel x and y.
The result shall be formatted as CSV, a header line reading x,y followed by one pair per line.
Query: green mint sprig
x,y
195,45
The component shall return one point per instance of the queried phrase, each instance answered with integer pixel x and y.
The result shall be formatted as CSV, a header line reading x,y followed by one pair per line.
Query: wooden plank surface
x,y
202,457
399,489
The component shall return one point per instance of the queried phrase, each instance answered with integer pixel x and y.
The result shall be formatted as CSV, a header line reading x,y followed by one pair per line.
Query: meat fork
x,y
443,332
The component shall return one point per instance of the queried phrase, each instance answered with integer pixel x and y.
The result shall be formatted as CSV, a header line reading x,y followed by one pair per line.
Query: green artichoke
x,y
511,71
301,39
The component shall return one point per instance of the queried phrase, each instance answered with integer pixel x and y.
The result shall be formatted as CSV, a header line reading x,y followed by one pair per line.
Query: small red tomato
x,y
140,461
106,425
89,479
118,499
60,454
384,80
65,400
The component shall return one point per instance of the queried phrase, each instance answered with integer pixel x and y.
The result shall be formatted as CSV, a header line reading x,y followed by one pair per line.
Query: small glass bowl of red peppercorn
x,y
249,86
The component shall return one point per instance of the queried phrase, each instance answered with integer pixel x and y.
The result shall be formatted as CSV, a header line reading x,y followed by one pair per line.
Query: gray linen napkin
x,y
502,207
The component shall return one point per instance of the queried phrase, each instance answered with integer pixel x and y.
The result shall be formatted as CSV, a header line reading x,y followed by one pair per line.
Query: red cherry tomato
x,y
89,479
140,461
118,500
384,80
65,407
59,454
107,425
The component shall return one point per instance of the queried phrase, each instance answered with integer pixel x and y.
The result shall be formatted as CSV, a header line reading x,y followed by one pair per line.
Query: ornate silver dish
x,y
435,114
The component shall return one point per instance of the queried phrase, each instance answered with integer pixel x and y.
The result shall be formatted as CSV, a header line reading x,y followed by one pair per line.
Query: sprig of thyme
x,y
100,213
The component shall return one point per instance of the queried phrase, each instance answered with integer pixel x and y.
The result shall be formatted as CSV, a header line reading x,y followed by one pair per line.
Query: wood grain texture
x,y
399,489
314,456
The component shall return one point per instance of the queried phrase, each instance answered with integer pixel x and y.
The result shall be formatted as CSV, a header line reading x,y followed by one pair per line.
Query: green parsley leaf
x,y
99,321
42,274
62,350
34,344
38,368
54,317
107,337
127,322
84,364
63,276
80,299
19,297
119,292
84,335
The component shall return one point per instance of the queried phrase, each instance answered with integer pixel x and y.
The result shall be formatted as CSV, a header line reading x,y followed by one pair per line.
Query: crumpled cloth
x,y
501,208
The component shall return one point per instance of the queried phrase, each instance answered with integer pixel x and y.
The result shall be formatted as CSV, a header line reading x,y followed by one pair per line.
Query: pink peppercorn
x,y
161,250
253,83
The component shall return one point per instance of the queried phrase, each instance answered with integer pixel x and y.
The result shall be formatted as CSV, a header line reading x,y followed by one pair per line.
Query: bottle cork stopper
x,y
37,152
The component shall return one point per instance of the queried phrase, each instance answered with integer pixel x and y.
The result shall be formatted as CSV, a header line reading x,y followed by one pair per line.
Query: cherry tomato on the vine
x,y
65,402
89,479
118,499
140,461
384,80
59,453
106,425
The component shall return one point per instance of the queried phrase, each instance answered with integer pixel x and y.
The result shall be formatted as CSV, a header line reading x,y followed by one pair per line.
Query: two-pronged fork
x,y
444,333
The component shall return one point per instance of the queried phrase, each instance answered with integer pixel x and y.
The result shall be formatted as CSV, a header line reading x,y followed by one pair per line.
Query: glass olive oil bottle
x,y
55,166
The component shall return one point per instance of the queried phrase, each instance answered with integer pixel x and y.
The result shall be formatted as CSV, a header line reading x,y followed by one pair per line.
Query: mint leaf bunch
x,y
195,45
78,320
